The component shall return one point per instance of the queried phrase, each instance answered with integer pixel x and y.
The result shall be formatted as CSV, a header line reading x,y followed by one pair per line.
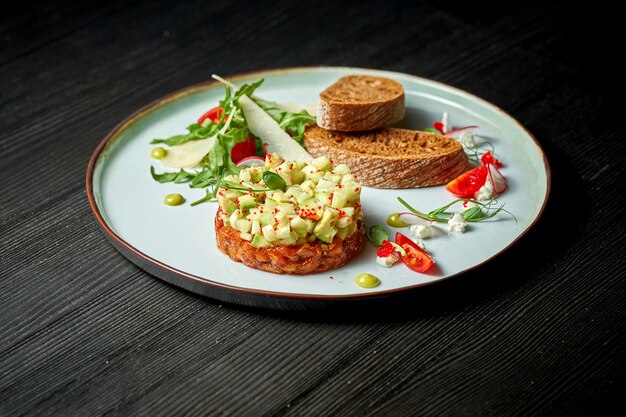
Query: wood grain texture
x,y
537,331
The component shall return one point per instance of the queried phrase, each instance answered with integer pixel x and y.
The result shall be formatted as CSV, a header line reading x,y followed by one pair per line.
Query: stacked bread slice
x,y
351,129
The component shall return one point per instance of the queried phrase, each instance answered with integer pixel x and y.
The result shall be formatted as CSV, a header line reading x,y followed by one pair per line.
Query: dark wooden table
x,y
537,331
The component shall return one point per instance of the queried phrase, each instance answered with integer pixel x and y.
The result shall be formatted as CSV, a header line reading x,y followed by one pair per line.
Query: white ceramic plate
x,y
178,243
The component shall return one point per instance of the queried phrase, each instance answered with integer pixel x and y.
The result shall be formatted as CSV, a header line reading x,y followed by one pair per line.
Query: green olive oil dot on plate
x,y
367,281
393,220
158,153
174,199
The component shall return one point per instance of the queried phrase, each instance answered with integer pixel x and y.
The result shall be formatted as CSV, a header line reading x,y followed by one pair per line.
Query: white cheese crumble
x,y
457,223
485,192
422,231
467,139
387,261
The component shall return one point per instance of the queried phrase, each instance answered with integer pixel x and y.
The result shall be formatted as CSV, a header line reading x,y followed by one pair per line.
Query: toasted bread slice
x,y
391,158
360,102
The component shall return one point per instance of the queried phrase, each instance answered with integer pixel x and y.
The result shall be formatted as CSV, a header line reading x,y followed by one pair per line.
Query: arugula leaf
x,y
196,132
377,235
210,196
175,177
230,101
293,123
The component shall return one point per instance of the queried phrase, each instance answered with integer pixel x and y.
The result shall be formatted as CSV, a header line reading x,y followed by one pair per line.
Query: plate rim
x,y
147,262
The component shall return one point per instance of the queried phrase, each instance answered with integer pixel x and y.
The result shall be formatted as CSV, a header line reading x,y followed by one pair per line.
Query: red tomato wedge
x,y
416,258
468,183
213,115
243,150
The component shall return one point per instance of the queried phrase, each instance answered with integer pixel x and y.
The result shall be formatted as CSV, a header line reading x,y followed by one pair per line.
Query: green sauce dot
x,y
367,281
174,199
158,153
394,220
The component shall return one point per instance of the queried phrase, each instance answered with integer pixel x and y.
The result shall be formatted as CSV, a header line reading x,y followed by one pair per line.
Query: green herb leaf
x,y
196,132
432,130
377,235
482,211
472,213
176,177
210,196
274,181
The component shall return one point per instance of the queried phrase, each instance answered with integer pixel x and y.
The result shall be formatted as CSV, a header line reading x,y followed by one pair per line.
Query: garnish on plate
x,y
479,211
235,131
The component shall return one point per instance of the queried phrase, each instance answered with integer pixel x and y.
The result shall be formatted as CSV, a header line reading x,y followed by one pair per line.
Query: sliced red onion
x,y
412,218
252,161
456,133
498,181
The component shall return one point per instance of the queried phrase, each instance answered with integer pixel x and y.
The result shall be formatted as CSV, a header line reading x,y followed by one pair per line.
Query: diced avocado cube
x,y
266,218
256,227
232,194
313,174
303,198
245,175
323,198
283,232
336,178
341,169
270,203
228,206
311,211
299,225
343,222
259,242
348,211
273,160
277,196
339,199
347,231
256,173
354,192
324,232
322,163
297,176
245,236
269,233
285,176
246,202
243,225
308,186
286,208
347,179
325,184
291,239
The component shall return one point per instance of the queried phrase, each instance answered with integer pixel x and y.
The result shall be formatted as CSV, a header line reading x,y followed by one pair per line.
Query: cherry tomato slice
x,y
468,183
214,115
416,258
488,158
243,150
